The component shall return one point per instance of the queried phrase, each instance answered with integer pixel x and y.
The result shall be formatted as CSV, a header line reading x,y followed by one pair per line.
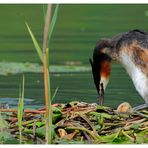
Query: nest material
x,y
79,122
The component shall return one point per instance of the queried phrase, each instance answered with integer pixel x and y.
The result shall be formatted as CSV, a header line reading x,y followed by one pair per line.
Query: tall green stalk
x,y
34,40
44,56
20,109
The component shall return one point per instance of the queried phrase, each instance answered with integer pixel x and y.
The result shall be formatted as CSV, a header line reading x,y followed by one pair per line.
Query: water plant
x,y
20,109
44,57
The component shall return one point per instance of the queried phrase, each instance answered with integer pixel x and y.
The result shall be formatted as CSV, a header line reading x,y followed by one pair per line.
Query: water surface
x,y
72,87
77,29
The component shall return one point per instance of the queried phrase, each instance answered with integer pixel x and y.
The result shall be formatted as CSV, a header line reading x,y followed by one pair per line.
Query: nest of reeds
x,y
80,123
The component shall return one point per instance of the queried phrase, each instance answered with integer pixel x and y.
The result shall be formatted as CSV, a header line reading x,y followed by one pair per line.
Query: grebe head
x,y
131,50
101,68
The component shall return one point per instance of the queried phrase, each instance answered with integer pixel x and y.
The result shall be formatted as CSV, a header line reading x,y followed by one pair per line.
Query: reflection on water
x,y
72,86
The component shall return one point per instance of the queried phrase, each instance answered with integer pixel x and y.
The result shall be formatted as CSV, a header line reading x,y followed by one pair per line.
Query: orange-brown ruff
x,y
105,69
131,50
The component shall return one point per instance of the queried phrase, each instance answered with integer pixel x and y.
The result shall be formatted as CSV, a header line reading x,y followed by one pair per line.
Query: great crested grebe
x,y
131,50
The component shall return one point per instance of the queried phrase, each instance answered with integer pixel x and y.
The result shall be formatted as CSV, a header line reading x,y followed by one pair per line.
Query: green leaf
x,y
55,92
56,114
39,124
20,110
5,136
42,131
102,108
56,110
104,115
142,137
117,140
36,44
56,117
53,21
135,126
3,123
107,116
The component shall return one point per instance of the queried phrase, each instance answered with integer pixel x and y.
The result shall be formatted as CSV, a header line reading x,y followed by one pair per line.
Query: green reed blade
x,y
55,92
36,44
20,109
53,21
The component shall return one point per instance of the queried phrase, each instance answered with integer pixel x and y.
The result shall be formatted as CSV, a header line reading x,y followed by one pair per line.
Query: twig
x,y
24,123
95,137
141,114
89,122
54,105
128,125
25,111
34,133
118,133
125,134
86,136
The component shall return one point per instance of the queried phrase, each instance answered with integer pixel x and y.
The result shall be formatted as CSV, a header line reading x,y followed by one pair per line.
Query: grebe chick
x,y
124,107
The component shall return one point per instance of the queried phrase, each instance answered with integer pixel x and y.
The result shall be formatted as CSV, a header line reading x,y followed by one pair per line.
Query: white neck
x,y
138,77
105,81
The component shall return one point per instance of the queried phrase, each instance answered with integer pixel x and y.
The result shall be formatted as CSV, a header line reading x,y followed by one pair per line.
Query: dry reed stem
x,y
46,77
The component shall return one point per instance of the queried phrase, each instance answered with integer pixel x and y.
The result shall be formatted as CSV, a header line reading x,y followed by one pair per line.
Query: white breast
x,y
139,79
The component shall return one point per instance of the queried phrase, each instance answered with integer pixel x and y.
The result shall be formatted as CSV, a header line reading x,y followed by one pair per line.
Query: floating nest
x,y
80,123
